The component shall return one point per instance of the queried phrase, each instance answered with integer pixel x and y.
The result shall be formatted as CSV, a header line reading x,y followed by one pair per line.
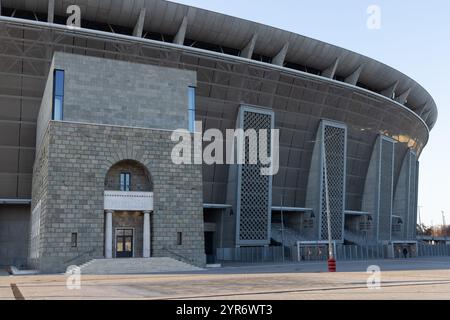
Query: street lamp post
x,y
282,228
444,226
420,218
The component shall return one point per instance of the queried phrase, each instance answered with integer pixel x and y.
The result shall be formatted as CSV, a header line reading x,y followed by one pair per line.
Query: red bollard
x,y
331,265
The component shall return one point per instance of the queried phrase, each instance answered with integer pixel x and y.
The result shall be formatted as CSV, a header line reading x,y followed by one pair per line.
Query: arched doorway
x,y
139,179
128,204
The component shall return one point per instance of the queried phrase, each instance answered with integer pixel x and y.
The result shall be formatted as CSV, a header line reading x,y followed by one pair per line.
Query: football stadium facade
x,y
86,117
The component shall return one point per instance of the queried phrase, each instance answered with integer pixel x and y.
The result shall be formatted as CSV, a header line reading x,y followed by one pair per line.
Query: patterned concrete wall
x,y
79,157
330,149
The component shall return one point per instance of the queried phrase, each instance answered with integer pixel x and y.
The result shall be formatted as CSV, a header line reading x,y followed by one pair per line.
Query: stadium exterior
x,y
86,116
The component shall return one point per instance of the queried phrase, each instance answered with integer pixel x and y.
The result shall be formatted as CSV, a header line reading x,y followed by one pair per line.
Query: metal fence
x,y
254,254
276,254
437,250
342,252
355,252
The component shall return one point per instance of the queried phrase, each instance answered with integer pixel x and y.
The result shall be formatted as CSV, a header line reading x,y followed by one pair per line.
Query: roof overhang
x,y
216,206
291,209
15,201
166,17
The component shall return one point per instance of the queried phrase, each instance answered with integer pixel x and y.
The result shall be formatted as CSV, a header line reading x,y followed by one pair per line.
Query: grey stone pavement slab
x,y
400,279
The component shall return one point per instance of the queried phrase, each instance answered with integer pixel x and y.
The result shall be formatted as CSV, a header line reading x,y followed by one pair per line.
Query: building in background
x,y
86,116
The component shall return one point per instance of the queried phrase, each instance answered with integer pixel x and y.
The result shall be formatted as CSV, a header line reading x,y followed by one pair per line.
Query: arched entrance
x,y
128,204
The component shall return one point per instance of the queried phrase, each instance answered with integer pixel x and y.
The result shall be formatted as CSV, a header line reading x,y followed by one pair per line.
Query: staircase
x,y
357,238
136,266
290,236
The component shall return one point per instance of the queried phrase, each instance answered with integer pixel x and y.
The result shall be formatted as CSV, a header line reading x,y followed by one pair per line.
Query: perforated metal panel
x,y
334,137
385,189
254,198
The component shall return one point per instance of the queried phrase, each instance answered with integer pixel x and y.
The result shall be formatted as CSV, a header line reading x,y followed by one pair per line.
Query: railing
x,y
253,254
286,235
312,252
429,250
78,257
361,252
180,256
320,253
358,238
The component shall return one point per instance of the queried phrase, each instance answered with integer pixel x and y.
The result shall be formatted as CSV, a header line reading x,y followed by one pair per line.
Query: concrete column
x,y
422,110
108,234
354,77
51,11
247,52
403,97
331,70
390,92
139,27
279,58
181,34
146,235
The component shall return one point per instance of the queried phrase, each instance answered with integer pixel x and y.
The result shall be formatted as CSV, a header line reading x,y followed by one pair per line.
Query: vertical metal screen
x,y
254,189
334,138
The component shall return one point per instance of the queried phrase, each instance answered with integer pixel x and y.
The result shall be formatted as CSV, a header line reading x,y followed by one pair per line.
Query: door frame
x,y
115,240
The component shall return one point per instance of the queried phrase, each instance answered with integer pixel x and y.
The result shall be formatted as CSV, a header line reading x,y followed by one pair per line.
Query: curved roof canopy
x,y
282,46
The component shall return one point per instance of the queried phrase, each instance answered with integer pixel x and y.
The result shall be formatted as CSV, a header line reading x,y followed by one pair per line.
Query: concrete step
x,y
15,271
135,266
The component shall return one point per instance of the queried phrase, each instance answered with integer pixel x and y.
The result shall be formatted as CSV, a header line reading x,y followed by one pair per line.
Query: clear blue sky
x,y
414,38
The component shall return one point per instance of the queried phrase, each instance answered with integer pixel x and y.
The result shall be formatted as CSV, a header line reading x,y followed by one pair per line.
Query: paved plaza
x,y
424,278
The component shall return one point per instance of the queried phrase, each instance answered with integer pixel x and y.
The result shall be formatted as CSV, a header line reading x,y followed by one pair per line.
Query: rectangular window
x,y
74,240
179,238
125,181
58,95
191,109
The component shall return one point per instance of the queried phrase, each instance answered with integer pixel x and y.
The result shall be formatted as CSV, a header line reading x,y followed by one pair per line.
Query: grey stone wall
x,y
140,179
79,157
98,90
39,194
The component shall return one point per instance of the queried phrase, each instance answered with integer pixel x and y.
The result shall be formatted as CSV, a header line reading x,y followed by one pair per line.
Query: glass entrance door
x,y
124,243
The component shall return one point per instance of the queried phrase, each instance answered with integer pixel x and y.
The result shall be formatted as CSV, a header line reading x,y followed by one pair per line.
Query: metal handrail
x,y
79,256
191,261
